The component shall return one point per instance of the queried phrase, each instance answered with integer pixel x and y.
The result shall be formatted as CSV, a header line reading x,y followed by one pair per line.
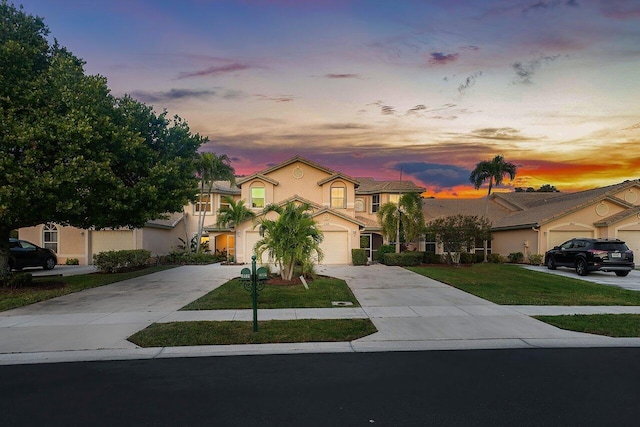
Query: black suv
x,y
587,255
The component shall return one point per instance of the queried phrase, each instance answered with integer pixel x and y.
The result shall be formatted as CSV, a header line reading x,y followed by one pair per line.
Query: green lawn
x,y
271,331
45,288
232,295
611,325
514,285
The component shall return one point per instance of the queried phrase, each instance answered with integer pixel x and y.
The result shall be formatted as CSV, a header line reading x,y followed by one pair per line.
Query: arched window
x,y
50,236
338,195
257,195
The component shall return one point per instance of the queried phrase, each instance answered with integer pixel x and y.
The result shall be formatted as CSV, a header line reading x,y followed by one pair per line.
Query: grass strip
x,y
514,285
611,325
176,334
232,295
47,287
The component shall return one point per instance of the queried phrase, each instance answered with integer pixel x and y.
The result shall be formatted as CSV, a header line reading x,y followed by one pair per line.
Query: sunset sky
x,y
372,87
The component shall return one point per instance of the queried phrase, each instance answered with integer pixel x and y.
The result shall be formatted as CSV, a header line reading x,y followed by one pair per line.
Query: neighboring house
x,y
344,207
533,223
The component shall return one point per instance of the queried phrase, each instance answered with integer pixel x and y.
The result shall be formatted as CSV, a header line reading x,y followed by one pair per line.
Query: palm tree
x,y
294,237
493,171
211,168
232,214
405,218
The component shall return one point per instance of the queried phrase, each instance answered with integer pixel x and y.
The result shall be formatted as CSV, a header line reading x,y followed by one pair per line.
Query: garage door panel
x,y
335,247
632,239
556,238
251,238
111,240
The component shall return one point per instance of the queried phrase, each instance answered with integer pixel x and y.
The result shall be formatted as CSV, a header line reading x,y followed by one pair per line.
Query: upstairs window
x,y
257,197
375,203
203,203
338,196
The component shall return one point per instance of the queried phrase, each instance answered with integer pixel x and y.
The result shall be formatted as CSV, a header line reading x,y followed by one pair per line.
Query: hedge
x,y
359,256
403,259
115,261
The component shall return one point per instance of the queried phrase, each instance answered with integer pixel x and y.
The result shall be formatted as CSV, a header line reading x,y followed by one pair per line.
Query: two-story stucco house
x,y
344,207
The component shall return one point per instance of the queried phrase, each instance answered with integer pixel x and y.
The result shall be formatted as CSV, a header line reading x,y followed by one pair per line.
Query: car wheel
x,y
49,264
581,267
622,273
551,263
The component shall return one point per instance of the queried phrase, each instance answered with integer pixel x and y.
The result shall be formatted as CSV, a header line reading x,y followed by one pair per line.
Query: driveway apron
x,y
406,306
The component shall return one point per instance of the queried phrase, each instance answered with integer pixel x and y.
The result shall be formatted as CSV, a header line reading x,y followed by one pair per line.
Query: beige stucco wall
x,y
507,242
72,241
160,241
580,224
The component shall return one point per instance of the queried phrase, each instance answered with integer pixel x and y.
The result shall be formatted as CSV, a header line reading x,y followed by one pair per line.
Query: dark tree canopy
x,y
72,153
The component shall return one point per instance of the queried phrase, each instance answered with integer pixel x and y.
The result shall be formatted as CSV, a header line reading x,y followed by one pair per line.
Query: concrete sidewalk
x,y
411,312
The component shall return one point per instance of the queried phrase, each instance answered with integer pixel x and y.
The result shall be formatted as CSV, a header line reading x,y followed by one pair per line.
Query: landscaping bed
x,y
321,293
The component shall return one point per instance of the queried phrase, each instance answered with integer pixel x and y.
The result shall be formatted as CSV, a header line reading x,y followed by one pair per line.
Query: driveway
x,y
630,282
104,317
408,309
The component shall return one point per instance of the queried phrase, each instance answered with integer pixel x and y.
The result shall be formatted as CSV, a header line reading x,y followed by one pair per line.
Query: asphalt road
x,y
489,387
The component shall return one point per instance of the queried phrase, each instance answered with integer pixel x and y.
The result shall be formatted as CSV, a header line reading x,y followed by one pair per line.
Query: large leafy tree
x,y
211,168
492,171
232,214
293,238
459,232
72,153
403,221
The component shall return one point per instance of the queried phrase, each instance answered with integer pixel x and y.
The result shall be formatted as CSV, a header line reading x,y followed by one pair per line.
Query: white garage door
x,y
632,239
251,238
335,247
108,240
559,237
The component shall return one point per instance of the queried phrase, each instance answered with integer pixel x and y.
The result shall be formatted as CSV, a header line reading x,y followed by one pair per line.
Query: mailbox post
x,y
253,281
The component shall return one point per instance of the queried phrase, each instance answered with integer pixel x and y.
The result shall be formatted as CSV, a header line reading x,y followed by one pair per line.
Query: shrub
x,y
72,261
467,258
115,261
495,258
359,256
403,259
384,249
19,280
535,259
516,257
431,258
479,257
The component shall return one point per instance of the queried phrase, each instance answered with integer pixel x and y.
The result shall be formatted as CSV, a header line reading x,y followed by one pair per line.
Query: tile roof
x,y
371,186
170,222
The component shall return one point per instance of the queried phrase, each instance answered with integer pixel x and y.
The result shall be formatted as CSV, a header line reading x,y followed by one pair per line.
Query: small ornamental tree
x,y
293,238
73,154
459,232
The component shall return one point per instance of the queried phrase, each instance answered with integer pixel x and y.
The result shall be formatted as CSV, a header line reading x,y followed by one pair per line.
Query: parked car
x,y
25,254
587,255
